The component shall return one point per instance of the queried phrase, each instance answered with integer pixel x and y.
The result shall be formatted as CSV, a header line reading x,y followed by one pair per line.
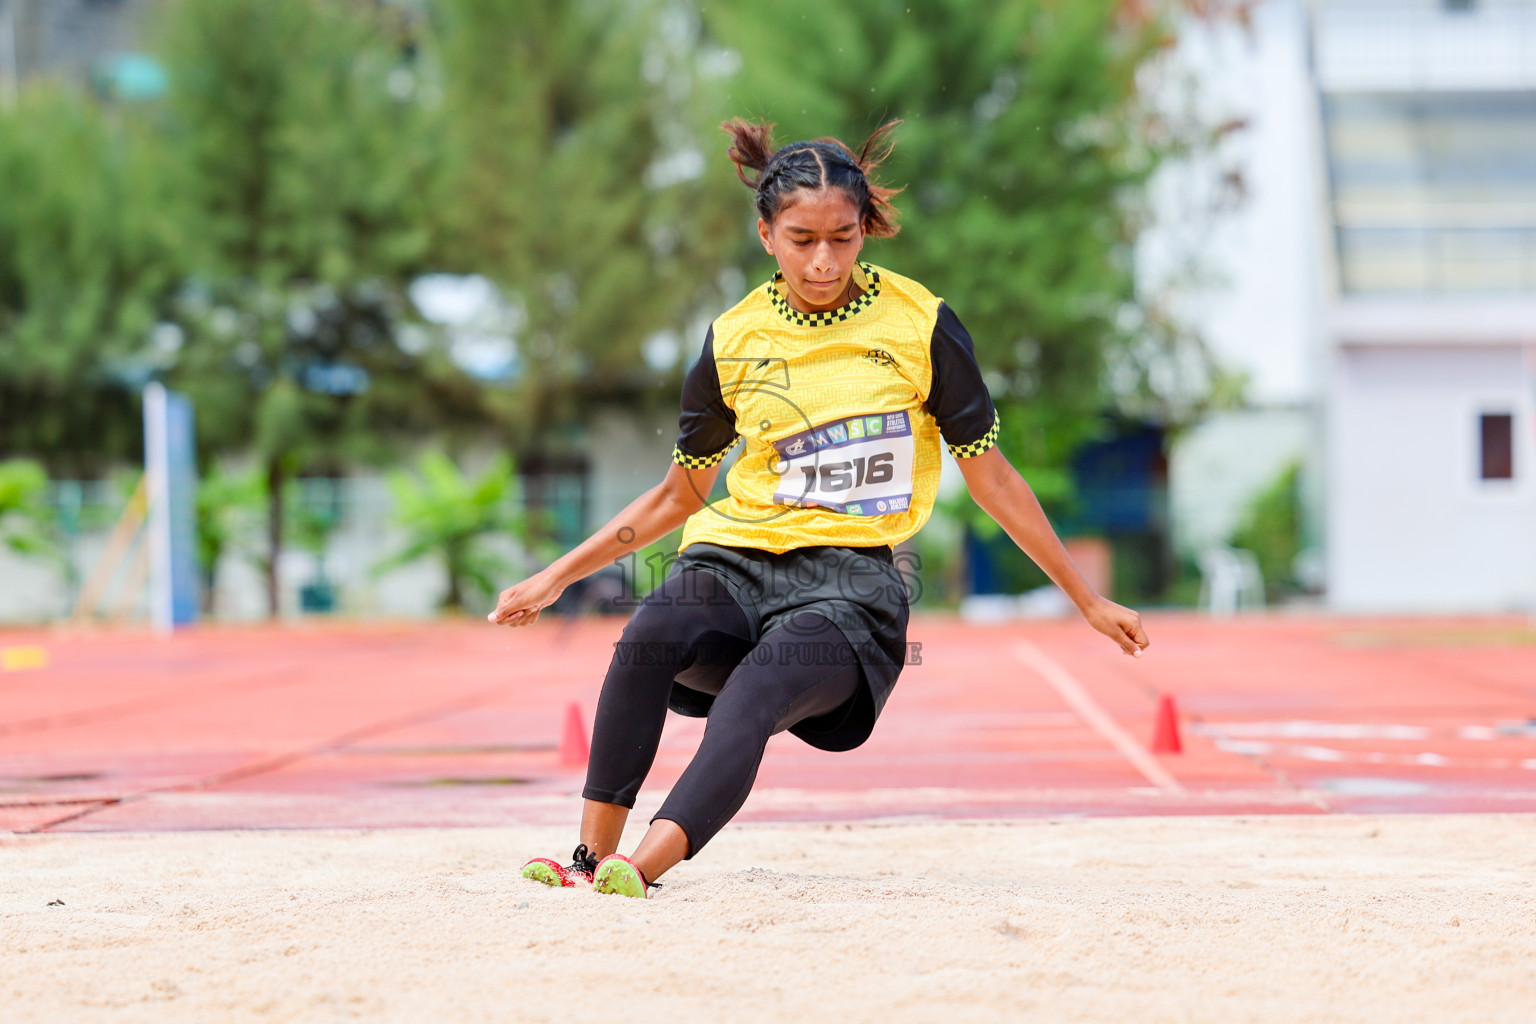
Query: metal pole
x,y
157,477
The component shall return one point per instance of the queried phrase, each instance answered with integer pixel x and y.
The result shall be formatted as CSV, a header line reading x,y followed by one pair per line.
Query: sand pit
x,y
1195,919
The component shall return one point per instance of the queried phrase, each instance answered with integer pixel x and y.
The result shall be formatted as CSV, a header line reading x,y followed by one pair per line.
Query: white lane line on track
x,y
1306,730
1076,697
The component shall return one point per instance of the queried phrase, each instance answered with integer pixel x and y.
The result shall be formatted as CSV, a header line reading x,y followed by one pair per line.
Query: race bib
x,y
858,465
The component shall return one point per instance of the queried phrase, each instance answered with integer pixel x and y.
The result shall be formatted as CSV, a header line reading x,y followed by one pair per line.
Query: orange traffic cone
x,y
1165,734
574,748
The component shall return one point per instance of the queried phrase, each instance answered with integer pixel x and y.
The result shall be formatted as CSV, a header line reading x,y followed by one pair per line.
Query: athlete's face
x,y
816,239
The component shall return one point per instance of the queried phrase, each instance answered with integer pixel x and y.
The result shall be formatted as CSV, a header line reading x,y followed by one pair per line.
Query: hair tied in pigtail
x,y
751,148
881,215
814,164
877,148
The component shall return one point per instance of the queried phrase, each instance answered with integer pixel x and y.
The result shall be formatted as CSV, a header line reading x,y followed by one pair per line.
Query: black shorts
x,y
860,589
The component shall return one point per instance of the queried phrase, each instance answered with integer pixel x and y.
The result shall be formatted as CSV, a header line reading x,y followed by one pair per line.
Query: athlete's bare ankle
x,y
603,850
664,845
602,826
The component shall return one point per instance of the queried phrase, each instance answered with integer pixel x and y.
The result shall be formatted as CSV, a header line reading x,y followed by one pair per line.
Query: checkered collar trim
x,y
866,276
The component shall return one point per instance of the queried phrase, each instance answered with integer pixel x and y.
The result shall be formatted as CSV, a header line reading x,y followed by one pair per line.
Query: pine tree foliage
x,y
572,178
300,150
85,252
1024,150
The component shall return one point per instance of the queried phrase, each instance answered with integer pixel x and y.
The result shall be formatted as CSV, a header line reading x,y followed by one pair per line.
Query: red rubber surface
x,y
354,725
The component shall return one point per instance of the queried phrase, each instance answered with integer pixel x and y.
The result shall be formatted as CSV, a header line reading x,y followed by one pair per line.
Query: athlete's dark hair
x,y
818,163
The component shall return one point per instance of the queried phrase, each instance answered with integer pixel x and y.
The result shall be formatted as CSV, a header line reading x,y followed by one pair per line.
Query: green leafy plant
x,y
446,513
1271,529
314,510
27,522
229,509
315,513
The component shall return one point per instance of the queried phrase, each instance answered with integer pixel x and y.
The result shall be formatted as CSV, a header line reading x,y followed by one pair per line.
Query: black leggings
x,y
691,630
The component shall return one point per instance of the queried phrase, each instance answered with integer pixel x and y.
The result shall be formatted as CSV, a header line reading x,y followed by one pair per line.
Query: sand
x,y
1137,920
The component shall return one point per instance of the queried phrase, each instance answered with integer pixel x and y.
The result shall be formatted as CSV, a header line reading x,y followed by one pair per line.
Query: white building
x,y
1428,110
1260,305
1378,286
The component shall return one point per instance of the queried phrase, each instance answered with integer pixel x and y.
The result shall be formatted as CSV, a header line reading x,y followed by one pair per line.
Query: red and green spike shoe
x,y
583,865
617,875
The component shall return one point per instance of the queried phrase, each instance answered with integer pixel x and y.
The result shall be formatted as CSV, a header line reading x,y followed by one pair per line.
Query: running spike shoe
x,y
583,866
617,875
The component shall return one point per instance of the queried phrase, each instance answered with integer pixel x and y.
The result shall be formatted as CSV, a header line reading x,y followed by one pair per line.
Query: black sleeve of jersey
x,y
706,426
958,398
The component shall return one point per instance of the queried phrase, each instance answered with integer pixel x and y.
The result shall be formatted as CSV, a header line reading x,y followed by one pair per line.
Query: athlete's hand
x,y
1120,624
520,604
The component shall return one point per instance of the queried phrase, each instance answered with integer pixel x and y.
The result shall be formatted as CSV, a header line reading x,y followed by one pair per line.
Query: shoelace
x,y
583,861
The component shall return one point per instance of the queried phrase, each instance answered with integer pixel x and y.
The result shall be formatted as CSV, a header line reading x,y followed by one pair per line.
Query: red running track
x,y
367,725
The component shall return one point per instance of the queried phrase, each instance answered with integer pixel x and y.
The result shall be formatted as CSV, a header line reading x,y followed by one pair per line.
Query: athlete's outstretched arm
x,y
649,517
1004,495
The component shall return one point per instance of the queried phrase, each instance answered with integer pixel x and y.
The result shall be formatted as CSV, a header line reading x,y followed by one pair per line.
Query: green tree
x,y
302,149
1025,149
446,514
86,255
571,177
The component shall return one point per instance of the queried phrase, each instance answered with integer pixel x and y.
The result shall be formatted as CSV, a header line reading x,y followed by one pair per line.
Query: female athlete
x,y
785,608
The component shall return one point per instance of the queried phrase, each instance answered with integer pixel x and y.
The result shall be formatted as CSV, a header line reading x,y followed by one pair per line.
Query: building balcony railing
x,y
1383,259
1424,44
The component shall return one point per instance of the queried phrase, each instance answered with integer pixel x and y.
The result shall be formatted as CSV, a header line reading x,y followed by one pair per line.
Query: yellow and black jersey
x,y
841,414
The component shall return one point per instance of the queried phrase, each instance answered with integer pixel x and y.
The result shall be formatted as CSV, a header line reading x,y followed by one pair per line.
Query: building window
x,y
1433,192
1498,446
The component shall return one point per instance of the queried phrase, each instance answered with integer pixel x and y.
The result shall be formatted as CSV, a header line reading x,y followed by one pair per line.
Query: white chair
x,y
1230,580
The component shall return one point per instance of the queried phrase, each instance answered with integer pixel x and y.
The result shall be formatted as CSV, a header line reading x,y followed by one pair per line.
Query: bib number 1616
x,y
879,468
858,465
